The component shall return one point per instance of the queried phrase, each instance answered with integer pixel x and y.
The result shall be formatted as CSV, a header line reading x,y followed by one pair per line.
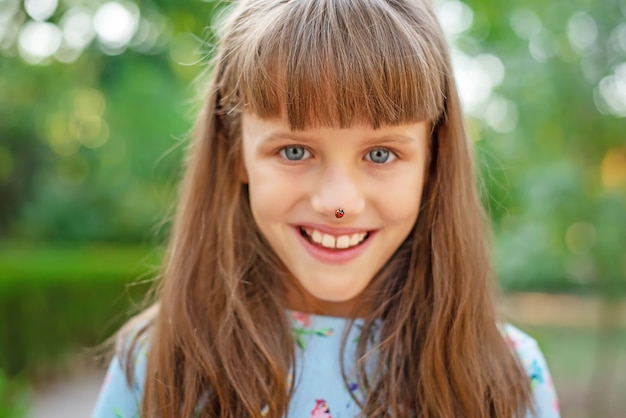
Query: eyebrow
x,y
385,139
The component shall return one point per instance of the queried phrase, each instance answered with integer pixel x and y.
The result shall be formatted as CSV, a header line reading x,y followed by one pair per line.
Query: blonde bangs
x,y
316,64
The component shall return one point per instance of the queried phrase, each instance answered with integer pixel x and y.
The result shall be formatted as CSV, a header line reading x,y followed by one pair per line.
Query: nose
x,y
336,188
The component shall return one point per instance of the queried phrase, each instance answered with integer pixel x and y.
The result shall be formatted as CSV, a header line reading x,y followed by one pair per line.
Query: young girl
x,y
328,257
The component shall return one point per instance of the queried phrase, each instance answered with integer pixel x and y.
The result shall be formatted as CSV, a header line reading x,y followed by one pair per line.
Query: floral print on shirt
x,y
302,327
320,391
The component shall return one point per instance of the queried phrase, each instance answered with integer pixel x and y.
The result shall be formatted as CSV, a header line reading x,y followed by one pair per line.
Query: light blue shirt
x,y
320,390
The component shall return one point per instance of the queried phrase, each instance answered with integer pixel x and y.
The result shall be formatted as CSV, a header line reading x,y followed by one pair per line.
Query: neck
x,y
298,299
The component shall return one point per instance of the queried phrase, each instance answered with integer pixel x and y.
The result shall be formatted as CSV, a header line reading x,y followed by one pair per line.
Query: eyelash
x,y
393,154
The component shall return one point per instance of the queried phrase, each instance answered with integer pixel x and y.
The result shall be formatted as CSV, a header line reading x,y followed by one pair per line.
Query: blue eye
x,y
380,156
294,152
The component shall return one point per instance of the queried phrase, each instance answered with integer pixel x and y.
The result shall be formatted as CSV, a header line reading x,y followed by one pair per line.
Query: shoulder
x,y
133,344
534,363
122,390
522,343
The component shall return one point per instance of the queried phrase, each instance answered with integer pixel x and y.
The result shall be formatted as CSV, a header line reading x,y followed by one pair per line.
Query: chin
x,y
335,294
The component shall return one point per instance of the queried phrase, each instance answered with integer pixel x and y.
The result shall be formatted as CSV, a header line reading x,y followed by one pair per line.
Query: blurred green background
x,y
96,101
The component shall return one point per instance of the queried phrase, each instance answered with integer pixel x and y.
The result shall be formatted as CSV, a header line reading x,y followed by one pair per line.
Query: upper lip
x,y
331,230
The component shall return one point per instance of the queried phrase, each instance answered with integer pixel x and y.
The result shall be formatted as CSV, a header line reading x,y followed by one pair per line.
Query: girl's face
x,y
298,179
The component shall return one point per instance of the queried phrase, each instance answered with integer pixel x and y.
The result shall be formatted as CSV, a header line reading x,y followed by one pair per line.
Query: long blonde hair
x,y
220,337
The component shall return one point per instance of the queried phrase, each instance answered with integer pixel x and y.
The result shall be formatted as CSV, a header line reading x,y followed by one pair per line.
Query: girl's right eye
x,y
294,152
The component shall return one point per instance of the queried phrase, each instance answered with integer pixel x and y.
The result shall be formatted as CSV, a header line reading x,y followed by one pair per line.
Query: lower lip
x,y
334,256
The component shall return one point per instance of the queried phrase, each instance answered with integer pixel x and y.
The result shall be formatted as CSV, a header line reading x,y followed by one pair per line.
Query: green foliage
x,y
12,397
58,300
556,183
65,187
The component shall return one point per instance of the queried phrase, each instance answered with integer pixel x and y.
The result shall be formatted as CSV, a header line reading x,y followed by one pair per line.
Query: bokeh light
x,y
38,41
542,45
152,35
501,114
582,31
77,26
40,9
477,77
613,168
610,94
115,24
618,38
9,23
525,23
455,16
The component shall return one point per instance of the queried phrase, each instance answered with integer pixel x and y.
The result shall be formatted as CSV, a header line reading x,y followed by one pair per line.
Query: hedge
x,y
60,300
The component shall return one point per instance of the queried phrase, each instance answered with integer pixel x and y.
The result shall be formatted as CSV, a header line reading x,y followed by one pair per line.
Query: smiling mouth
x,y
331,242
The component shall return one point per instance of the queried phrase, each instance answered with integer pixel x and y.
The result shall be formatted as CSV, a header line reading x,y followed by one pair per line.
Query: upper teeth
x,y
329,241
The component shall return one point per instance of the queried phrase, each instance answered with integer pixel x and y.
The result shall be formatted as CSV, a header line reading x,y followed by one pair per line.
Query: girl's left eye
x,y
380,156
294,152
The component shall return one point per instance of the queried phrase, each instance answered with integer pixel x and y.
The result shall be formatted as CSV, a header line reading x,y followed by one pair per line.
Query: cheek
x,y
401,202
271,193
